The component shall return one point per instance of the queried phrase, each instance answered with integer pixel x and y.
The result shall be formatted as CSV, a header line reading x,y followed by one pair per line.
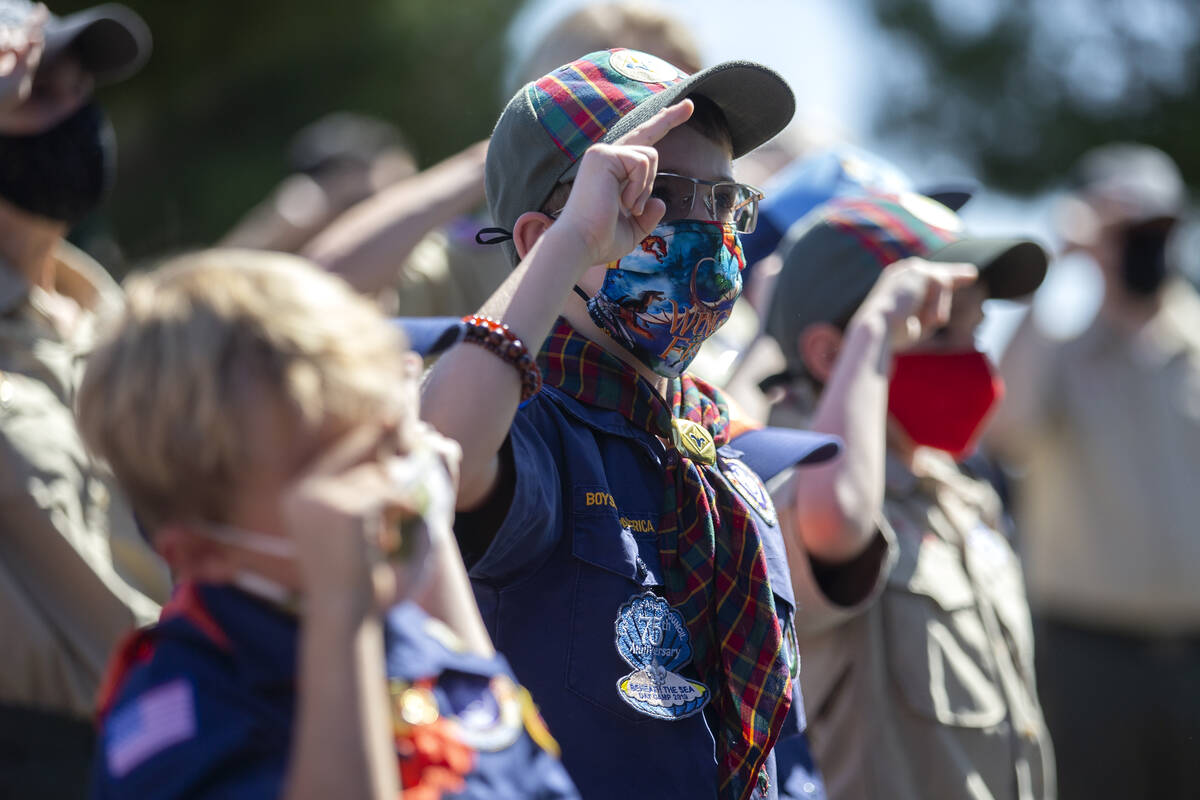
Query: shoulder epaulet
x,y
138,646
186,603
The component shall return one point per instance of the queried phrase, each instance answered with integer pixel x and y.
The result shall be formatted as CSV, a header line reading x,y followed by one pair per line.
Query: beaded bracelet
x,y
497,338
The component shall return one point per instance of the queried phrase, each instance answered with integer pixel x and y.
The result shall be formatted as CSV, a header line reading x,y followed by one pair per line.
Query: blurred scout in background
x,y
74,573
926,687
1106,430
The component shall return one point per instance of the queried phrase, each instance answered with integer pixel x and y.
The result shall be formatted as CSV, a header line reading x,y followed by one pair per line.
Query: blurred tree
x,y
203,129
1020,88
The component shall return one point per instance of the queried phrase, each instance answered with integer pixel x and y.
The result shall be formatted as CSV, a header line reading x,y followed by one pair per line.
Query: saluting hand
x,y
20,52
343,514
913,298
611,209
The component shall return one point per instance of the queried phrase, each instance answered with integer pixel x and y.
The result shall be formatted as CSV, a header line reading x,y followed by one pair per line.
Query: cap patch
x,y
887,229
579,103
642,67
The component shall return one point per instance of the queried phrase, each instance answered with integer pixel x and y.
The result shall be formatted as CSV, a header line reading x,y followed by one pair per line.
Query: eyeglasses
x,y
725,201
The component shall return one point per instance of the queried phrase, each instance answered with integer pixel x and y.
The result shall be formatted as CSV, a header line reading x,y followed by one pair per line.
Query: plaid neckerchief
x,y
715,571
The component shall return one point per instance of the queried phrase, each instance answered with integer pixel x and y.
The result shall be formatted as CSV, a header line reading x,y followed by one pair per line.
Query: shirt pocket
x,y
611,566
937,647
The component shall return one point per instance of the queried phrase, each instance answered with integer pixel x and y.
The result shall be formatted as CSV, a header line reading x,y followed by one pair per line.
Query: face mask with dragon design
x,y
663,300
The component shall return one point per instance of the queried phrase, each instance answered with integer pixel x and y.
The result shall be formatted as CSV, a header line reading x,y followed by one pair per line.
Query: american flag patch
x,y
161,717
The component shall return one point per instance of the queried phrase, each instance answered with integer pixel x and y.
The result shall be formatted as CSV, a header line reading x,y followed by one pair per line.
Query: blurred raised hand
x,y
20,52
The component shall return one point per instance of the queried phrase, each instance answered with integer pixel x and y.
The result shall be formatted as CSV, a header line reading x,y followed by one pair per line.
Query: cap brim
x,y
111,41
428,336
1009,267
756,101
769,451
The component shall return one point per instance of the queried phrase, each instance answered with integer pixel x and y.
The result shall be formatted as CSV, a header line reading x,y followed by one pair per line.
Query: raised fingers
x,y
943,279
658,126
959,274
640,167
352,449
37,18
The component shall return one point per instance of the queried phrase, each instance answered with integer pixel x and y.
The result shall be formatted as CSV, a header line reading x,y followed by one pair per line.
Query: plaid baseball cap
x,y
832,258
111,41
551,122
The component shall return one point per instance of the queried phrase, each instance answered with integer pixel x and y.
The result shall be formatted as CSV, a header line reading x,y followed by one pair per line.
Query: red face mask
x,y
942,400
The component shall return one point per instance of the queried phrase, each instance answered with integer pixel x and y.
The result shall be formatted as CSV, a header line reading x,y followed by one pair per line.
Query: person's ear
x,y
528,229
193,557
818,345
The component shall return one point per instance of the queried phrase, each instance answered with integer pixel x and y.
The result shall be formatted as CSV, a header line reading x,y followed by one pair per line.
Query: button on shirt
x,y
75,575
927,689
204,703
579,543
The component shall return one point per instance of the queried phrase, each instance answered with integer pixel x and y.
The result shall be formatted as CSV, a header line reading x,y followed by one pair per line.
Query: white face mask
x,y
422,483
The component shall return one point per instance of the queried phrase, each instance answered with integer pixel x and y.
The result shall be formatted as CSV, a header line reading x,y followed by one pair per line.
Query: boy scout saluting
x,y
262,418
927,690
615,548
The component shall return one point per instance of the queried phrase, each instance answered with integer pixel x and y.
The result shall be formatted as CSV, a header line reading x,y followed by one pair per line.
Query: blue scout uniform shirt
x,y
204,704
560,583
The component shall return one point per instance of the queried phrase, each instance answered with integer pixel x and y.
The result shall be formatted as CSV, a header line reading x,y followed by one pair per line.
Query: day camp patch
x,y
653,639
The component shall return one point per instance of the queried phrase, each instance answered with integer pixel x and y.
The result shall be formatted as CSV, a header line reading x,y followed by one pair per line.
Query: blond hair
x,y
167,398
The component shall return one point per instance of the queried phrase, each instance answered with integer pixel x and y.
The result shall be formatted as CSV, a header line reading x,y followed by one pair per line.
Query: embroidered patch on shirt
x,y
594,501
653,639
160,718
488,713
751,489
639,524
791,649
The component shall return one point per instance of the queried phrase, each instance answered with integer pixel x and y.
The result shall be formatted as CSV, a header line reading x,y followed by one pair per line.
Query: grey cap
x,y
111,41
1136,182
833,257
550,123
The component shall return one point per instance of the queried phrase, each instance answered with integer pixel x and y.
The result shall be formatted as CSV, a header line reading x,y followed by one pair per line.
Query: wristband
x,y
496,337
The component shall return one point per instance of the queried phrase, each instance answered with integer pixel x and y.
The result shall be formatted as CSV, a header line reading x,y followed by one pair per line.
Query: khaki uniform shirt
x,y
446,276
74,573
1107,428
926,691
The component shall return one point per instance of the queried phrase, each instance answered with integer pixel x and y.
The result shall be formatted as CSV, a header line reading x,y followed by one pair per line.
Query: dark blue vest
x,y
579,544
